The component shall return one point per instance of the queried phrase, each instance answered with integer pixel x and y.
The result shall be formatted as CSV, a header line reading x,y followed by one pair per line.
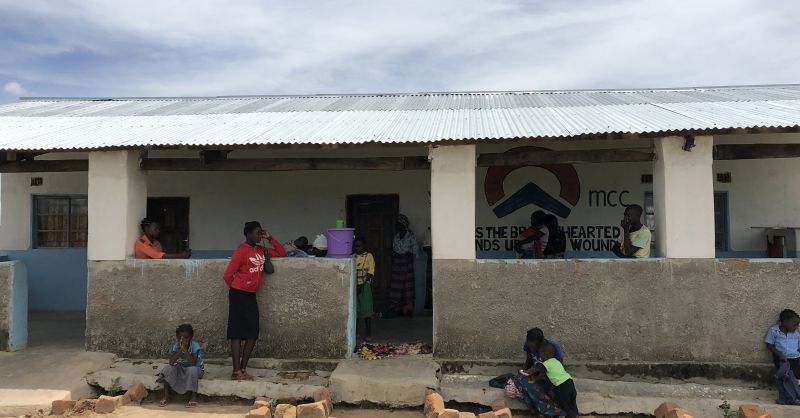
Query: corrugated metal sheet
x,y
66,124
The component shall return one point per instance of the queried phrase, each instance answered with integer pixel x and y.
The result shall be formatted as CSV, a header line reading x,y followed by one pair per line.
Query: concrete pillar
x,y
117,203
453,202
683,193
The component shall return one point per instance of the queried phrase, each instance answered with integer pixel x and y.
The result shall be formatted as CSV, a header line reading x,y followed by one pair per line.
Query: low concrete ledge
x,y
655,310
13,306
307,307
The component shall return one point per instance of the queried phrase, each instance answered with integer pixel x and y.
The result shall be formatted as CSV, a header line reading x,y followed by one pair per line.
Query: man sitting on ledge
x,y
634,242
148,246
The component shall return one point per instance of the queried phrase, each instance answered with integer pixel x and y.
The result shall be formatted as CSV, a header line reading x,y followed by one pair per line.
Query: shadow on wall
x,y
56,278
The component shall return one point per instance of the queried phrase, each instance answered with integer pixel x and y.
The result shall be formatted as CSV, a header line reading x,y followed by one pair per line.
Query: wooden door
x,y
374,217
172,214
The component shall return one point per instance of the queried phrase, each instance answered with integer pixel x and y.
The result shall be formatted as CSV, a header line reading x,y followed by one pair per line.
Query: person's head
x,y
301,243
534,339
252,232
547,351
551,221
184,332
359,245
150,228
789,320
538,218
633,214
402,223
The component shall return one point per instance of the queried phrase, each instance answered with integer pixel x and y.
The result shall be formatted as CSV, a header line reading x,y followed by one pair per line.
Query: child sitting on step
x,y
185,366
563,387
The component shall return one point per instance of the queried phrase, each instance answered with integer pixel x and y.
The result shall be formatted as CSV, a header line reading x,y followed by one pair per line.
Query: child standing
x,y
185,366
244,276
563,387
365,272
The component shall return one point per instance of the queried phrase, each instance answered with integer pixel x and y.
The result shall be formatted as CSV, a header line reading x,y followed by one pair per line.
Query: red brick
x,y
261,402
123,399
106,404
498,405
84,406
661,411
487,415
137,392
433,403
285,411
428,391
311,410
678,413
262,412
503,413
322,394
448,413
752,411
61,406
466,415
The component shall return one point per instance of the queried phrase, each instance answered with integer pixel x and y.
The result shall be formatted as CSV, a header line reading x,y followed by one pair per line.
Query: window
x,y
60,221
721,232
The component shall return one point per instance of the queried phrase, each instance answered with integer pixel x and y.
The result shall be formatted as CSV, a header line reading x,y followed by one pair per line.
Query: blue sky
x,y
199,47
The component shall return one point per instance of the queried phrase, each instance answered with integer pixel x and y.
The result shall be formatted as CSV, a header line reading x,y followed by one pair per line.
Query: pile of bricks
x,y
104,405
673,410
434,408
322,407
752,411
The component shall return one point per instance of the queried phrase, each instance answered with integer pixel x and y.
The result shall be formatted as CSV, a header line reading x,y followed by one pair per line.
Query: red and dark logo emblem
x,y
531,193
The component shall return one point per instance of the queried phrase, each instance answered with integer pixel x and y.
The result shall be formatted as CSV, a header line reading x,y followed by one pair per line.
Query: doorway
x,y
373,217
172,214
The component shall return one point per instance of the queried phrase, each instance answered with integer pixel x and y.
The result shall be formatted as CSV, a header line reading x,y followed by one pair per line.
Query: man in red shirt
x,y
243,277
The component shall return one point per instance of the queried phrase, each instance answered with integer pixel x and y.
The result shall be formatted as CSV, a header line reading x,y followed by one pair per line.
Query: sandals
x,y
246,375
162,403
238,375
191,404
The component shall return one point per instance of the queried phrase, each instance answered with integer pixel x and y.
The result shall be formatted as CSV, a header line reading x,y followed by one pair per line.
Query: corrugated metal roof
x,y
80,123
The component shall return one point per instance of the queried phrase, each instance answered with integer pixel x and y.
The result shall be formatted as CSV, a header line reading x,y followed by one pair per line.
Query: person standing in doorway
x,y
404,250
149,247
534,238
243,276
634,242
365,272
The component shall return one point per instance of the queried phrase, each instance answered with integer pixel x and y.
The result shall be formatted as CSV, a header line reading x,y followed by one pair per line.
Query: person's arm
x,y
530,235
528,362
277,249
191,358
149,252
233,268
184,254
775,352
370,265
175,355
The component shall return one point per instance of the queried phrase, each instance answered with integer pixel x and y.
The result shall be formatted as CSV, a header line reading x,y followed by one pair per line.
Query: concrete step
x,y
274,382
397,382
622,397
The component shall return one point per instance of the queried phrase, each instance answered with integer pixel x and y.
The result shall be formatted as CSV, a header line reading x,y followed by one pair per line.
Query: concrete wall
x,y
13,306
307,307
657,310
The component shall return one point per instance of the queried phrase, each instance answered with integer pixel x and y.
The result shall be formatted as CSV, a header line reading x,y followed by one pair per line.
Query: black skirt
x,y
242,315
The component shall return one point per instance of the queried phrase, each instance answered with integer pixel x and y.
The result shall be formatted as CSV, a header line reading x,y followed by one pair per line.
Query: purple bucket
x,y
340,242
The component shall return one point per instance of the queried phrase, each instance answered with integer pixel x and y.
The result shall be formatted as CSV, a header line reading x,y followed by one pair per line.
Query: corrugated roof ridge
x,y
401,94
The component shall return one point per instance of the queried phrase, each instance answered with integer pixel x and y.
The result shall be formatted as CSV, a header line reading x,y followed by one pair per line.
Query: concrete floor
x,y
403,330
51,367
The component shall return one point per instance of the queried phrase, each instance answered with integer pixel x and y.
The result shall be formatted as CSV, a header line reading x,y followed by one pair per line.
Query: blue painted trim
x,y
57,278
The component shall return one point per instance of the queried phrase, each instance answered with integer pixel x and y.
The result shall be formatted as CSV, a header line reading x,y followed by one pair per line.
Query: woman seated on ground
x,y
185,366
538,395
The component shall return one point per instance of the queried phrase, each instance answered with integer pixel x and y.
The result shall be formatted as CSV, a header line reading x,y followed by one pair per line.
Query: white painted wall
x,y
684,198
306,203
452,184
117,203
16,201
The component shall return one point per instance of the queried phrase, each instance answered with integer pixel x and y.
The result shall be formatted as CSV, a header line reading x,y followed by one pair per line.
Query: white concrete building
x,y
716,170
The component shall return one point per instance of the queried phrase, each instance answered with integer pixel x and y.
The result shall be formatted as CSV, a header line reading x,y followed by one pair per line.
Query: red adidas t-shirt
x,y
245,270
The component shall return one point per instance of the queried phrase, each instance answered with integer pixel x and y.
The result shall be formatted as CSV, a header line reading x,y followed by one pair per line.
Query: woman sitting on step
x,y
185,366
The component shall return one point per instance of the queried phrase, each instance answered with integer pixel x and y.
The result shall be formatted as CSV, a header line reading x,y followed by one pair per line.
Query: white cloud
x,y
255,47
15,89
